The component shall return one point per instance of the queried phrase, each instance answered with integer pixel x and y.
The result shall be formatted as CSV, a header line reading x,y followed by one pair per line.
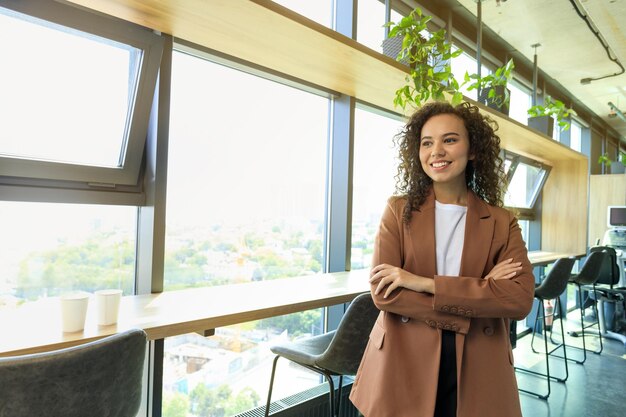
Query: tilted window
x,y
76,93
526,178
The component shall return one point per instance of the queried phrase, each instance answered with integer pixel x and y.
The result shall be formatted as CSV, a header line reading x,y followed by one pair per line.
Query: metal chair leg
x,y
331,394
547,374
269,393
583,327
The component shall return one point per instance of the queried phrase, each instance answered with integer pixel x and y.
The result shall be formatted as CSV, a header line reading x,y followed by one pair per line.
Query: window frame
x,y
116,30
525,213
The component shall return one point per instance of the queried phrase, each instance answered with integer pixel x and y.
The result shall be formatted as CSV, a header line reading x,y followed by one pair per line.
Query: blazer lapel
x,y
422,239
479,229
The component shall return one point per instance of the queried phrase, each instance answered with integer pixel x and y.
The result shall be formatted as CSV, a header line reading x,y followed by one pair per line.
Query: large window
x,y
76,94
245,202
49,249
375,166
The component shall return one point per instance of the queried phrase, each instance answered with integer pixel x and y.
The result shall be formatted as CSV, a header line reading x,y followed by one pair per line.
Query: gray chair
x,y
335,353
102,378
551,287
585,281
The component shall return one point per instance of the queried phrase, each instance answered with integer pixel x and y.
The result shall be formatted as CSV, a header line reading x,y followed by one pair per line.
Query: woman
x,y
450,271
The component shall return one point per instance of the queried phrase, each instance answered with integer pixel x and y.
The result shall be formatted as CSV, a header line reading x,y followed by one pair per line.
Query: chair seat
x,y
305,351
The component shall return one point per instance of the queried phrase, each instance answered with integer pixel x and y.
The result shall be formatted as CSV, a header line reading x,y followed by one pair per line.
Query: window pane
x,y
370,23
519,104
319,10
68,99
245,202
575,138
375,162
47,249
524,186
460,65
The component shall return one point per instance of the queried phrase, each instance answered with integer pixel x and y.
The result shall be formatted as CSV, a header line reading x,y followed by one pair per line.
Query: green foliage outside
x,y
206,402
97,264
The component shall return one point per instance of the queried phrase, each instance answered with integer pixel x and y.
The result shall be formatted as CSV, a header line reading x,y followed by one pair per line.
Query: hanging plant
x,y
555,109
492,87
428,56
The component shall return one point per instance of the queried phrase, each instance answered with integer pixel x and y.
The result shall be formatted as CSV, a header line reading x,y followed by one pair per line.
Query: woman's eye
x,y
450,140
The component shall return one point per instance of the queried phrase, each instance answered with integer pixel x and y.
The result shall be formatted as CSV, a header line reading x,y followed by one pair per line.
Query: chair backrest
x,y
346,349
95,379
609,273
555,283
590,271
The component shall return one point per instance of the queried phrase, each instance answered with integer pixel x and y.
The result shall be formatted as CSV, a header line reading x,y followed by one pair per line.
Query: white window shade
x,y
76,93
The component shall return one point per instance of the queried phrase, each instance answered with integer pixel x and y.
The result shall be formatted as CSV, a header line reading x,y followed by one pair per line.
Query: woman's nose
x,y
437,150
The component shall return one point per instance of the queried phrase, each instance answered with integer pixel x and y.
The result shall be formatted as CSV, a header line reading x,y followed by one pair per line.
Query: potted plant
x,y
606,160
492,88
428,57
542,116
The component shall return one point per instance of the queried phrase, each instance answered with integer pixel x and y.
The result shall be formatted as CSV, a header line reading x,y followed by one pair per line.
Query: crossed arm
x,y
390,277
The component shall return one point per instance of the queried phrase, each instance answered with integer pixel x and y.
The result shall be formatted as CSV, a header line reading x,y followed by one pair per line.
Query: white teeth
x,y
440,164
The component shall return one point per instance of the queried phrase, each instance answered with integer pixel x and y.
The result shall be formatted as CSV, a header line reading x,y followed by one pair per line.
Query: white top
x,y
449,237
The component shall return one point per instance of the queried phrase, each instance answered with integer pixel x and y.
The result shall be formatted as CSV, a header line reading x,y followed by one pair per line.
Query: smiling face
x,y
445,150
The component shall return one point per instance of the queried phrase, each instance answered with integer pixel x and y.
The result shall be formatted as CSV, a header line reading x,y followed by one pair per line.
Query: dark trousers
x,y
446,386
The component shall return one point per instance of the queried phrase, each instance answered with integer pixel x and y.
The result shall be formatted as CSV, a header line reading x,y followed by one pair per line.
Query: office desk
x,y
36,327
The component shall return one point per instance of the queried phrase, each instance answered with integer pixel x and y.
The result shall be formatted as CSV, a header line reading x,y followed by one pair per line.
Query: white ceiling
x,y
569,50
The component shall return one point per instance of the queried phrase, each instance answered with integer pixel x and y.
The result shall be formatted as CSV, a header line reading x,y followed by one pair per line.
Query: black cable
x,y
604,45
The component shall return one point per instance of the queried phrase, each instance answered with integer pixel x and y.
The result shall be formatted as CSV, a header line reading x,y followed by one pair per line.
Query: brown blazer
x,y
398,374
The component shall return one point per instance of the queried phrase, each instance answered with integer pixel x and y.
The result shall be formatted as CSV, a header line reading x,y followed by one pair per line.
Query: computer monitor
x,y
616,217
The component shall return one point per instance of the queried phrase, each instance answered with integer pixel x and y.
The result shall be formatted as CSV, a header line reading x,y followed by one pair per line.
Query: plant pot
x,y
543,124
483,98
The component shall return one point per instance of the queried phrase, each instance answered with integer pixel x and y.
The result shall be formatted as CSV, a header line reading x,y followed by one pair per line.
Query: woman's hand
x,y
505,269
391,277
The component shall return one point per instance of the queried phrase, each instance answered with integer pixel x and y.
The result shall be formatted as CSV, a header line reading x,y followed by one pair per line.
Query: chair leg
x,y
269,393
595,307
583,326
541,309
331,394
532,339
339,395
557,304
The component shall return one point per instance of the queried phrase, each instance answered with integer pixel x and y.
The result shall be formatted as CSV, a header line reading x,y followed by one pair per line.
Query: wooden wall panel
x,y
604,191
564,214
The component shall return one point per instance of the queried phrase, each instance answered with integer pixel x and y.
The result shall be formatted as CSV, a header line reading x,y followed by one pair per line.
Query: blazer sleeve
x,y
389,249
478,297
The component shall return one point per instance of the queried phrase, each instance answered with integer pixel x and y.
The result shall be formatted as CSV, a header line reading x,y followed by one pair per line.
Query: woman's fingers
x,y
505,269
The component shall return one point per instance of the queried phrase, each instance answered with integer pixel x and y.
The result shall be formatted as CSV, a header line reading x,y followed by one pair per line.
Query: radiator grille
x,y
310,403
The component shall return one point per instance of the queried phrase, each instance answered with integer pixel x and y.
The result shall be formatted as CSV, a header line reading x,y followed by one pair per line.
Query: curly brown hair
x,y
484,175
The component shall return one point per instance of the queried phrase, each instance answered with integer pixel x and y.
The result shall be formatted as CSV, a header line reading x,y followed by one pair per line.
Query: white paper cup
x,y
108,302
74,311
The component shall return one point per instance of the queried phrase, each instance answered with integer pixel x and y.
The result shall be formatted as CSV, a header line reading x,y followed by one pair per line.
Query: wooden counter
x,y
36,327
